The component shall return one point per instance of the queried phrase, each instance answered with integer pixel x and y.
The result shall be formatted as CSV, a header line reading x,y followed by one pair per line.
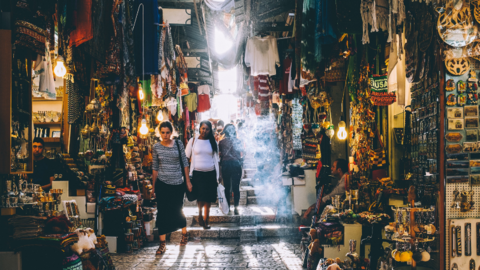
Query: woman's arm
x,y
188,151
154,179
187,178
155,167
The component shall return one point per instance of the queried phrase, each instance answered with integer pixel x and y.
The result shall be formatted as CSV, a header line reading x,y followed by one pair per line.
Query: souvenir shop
x,y
92,79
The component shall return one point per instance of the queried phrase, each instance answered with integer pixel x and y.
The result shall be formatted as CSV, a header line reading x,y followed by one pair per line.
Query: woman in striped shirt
x,y
168,184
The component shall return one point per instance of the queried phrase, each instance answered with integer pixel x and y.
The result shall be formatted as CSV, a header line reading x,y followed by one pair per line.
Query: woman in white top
x,y
204,170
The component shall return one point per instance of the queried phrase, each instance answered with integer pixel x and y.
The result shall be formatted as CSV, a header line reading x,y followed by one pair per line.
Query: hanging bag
x,y
222,199
191,196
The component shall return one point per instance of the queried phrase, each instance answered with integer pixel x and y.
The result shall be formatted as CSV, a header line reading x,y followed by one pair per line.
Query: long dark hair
x,y
211,138
229,131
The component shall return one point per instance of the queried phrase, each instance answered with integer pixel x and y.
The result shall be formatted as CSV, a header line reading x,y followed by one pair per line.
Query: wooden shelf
x,y
51,140
43,99
46,123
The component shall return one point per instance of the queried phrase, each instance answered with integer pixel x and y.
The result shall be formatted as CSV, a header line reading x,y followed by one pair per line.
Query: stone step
x,y
261,200
246,182
247,215
254,191
243,200
250,172
232,230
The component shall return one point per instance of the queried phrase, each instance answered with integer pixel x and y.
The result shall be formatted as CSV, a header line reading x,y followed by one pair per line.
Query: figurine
x,y
473,77
411,194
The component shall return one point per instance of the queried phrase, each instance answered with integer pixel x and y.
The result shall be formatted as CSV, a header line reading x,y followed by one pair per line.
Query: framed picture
x,y
472,135
56,134
471,122
454,113
456,124
471,111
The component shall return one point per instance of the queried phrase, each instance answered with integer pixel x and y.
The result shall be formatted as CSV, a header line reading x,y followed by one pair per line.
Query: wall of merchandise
x,y
462,153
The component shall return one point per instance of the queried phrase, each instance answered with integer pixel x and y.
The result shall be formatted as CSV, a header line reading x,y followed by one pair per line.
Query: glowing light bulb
x,y
144,128
141,95
60,69
342,133
160,116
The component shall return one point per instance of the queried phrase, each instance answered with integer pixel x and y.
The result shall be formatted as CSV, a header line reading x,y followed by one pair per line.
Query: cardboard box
x,y
112,243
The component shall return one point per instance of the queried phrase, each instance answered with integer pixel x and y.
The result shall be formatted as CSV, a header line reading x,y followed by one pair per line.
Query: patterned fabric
x,y
166,161
30,36
72,263
75,102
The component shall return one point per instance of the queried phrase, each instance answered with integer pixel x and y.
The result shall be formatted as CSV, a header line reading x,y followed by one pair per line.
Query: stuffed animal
x,y
84,243
314,246
91,235
334,266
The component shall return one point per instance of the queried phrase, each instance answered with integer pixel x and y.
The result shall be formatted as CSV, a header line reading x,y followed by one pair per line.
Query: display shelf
x,y
43,99
46,123
51,140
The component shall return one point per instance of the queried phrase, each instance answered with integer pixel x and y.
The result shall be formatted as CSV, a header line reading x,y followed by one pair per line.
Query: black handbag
x,y
191,196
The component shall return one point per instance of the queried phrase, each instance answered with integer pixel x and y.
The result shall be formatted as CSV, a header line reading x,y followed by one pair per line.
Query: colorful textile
x,y
83,23
285,86
30,36
72,263
146,33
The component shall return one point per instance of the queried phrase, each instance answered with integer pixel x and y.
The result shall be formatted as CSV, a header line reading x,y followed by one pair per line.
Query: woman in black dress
x,y
169,186
204,169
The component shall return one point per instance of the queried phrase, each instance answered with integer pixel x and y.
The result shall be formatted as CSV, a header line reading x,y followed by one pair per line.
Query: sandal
x,y
162,248
184,239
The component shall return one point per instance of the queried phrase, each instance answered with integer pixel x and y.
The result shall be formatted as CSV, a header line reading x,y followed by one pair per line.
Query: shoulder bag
x,y
191,196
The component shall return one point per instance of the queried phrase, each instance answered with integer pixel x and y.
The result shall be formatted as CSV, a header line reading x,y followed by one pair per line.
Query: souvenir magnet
x,y
473,77
478,238
450,86
454,137
454,266
471,111
459,241
461,86
455,113
451,100
472,264
455,124
454,242
453,148
472,98
461,99
468,239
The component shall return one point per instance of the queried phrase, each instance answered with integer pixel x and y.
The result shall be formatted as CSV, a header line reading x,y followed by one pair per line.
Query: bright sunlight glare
x,y
222,43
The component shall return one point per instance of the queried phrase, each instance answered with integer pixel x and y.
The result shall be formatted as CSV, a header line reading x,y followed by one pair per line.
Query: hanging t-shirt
x,y
261,54
191,101
43,68
284,87
203,98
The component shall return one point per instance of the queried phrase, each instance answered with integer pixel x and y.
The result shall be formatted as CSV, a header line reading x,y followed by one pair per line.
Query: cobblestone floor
x,y
271,254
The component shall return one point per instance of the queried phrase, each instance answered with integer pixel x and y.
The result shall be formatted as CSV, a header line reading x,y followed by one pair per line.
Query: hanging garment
x,y
285,87
43,69
191,101
75,104
171,104
150,17
203,98
30,36
261,54
264,90
276,98
83,23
